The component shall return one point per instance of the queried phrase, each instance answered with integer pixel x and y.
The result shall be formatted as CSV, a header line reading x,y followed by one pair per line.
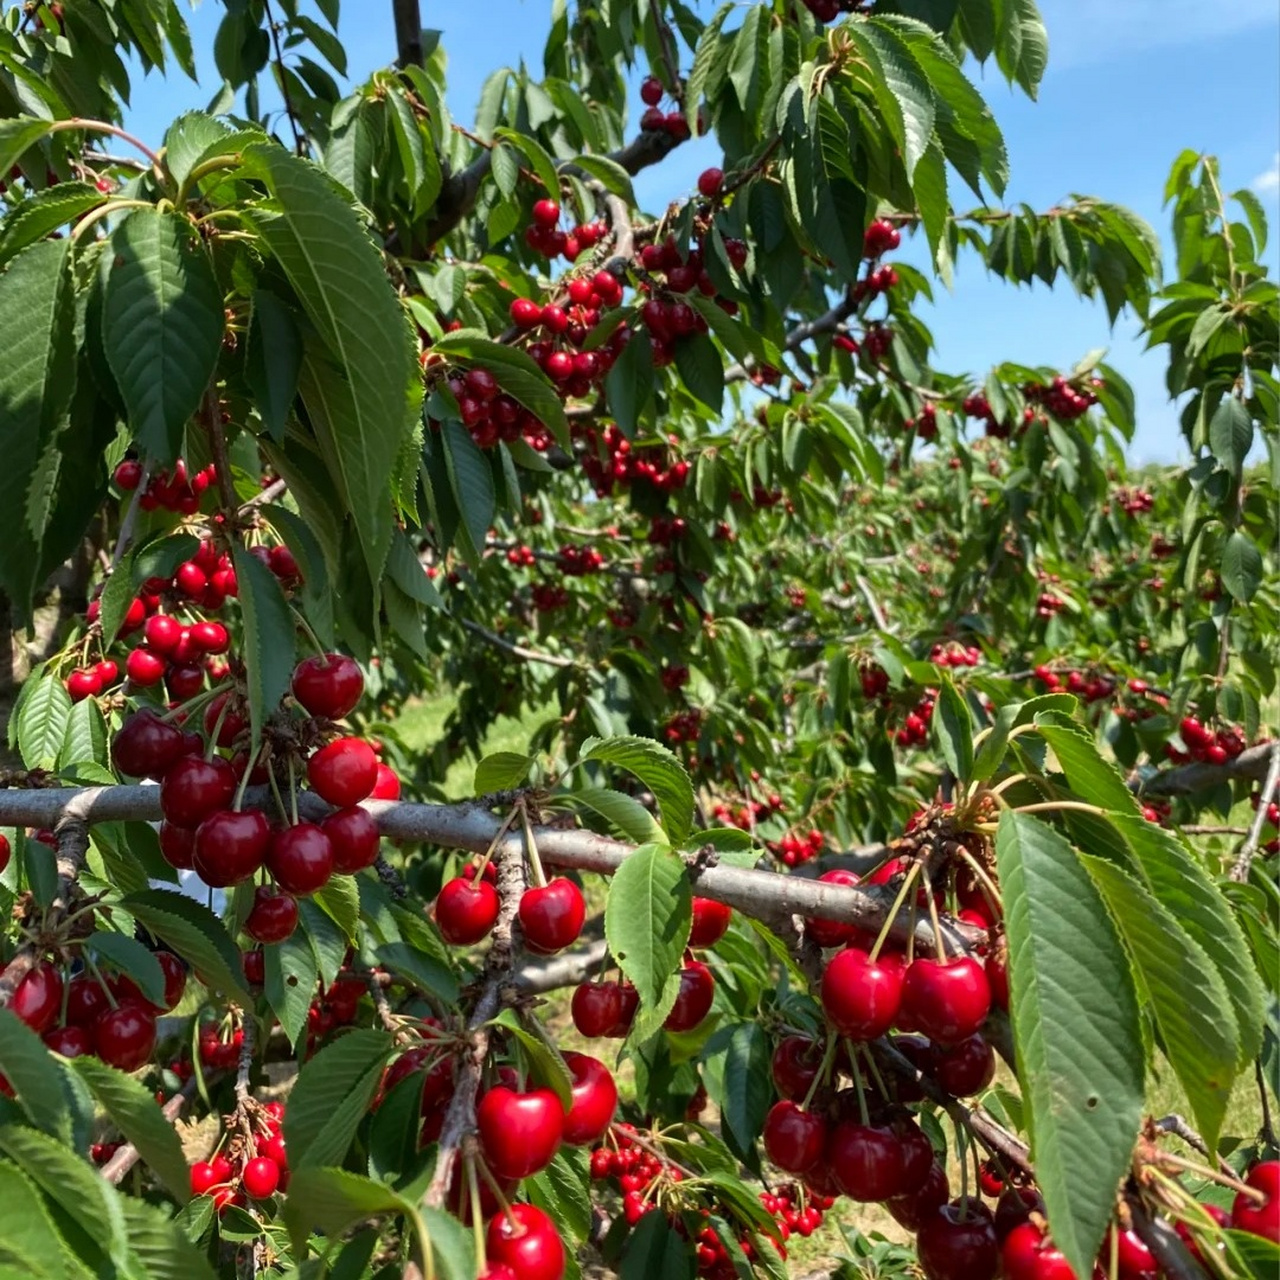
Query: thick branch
x,y
535,977
408,20
1253,762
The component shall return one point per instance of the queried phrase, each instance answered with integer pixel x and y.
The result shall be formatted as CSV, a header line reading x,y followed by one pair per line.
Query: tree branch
x,y
1253,762
408,21
127,1156
1244,859
516,650
535,977
825,323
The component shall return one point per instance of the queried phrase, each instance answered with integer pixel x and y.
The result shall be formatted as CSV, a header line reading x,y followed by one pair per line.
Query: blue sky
x,y
1130,84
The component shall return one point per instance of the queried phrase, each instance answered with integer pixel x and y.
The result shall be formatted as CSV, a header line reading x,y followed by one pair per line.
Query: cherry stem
x,y
217,730
293,794
307,630
275,791
912,872
1190,1166
987,884
1001,787
493,844
939,949
869,1058
863,1113
1051,806
504,1205
824,1071
92,966
535,863
243,785
962,1154
477,1217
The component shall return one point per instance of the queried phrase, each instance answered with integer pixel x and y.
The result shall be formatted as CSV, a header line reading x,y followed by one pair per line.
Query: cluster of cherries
x,y
258,1172
543,234
954,654
96,1013
1091,686
915,724
653,119
177,490
611,461
491,416
205,827
684,726
1134,501
1200,742
579,562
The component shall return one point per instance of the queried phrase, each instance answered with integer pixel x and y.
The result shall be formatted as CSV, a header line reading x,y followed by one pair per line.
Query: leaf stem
x,y
1051,806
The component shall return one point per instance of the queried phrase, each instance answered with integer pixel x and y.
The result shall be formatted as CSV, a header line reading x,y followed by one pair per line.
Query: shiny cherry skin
x,y
525,1240
194,788
520,1132
38,997
693,1003
794,1138
917,1153
1014,1206
1260,1218
946,1000
386,786
966,1068
70,1041
175,979
916,1207
203,1178
177,846
273,916
143,667
866,1161
343,772
1134,1261
466,910
862,996
596,1008
630,998
86,1001
551,916
959,1244
795,1066
6,852
328,685
260,1177
710,922
125,1036
146,746
300,858
595,1099
1027,1254
832,933
353,833
231,846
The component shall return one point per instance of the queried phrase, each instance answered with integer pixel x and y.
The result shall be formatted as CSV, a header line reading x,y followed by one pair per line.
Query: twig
x,y
245,1064
299,141
1244,859
269,494
872,603
218,447
516,650
127,1156
535,977
825,323
1163,1241
127,525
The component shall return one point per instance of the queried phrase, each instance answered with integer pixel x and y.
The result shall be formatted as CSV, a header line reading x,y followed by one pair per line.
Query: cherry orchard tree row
x,y
446,398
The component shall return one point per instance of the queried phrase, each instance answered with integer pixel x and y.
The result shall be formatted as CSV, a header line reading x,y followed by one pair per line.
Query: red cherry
x,y
693,1003
210,637
914,1208
1260,1219
630,998
525,313
231,846
144,667
193,788
300,858
178,845
966,1068
125,1037
6,852
254,964
1028,1255
997,967
595,1099
946,1000
596,1008
353,833
862,996
86,1001
794,1138
650,94
344,772
866,1161
525,1240
273,916
71,1042
328,684
552,916
273,1149
175,979
261,1177
710,181
830,933
466,911
223,727
146,746
128,475
1014,1207
203,1178
710,922
546,213
162,633
1134,1261
38,997
84,684
520,1132
959,1244
387,785
282,563
796,1063
107,672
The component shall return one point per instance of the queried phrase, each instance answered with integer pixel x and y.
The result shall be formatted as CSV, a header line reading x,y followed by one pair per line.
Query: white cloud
x,y
1270,180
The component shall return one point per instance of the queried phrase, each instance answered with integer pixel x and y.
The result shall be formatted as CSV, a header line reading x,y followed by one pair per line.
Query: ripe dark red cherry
x,y
862,996
710,181
1027,1254
193,788
946,1000
914,1208
525,313
595,1099
387,784
261,1177
83,684
86,1001
959,1244
650,94
466,910
866,1161
794,1138
525,1241
125,1037
178,845
344,772
830,933
966,1068
328,685
210,637
551,916
546,213
693,1003
38,997
175,979
273,916
353,833
1134,1261
146,746
231,846
1260,1219
710,922
300,858
520,1132
71,1042
596,1008
796,1063
6,852
203,1177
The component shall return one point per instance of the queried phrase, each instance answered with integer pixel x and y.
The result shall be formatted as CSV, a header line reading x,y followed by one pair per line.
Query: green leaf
x,y
562,1190
501,771
701,367
333,1200
1241,567
196,934
658,768
46,211
1076,1027
420,970
163,1249
31,1241
360,381
705,57
1022,50
17,136
42,723
953,728
452,1245
135,1112
901,90
610,174
331,1097
646,922
1092,778
133,959
545,1062
189,140
273,360
472,482
632,820
269,646
162,325
340,901
1231,433
629,384
86,740
536,154
34,1076
1183,990
653,1248
737,1076
291,974
40,864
